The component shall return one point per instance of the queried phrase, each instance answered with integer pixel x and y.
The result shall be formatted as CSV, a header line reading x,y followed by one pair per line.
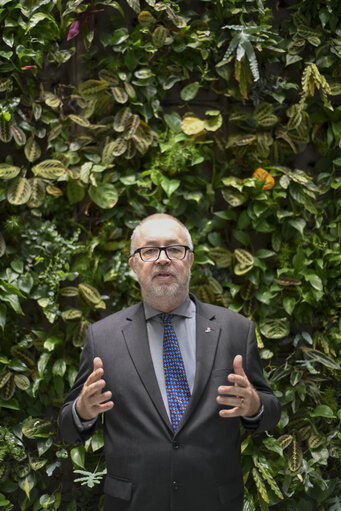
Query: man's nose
x,y
163,257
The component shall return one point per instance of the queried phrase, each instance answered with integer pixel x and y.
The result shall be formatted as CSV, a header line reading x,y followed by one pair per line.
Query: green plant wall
x,y
224,113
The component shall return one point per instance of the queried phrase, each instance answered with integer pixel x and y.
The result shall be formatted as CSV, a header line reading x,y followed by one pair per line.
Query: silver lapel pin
x,y
208,329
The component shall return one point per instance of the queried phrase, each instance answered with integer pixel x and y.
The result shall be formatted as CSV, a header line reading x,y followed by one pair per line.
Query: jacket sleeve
x,y
254,372
67,426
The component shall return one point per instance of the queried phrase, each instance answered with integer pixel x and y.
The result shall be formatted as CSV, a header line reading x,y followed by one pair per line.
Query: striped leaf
x,y
52,100
241,269
296,457
22,382
119,94
38,192
215,285
5,131
19,191
250,307
130,90
275,328
18,135
8,389
119,146
107,153
145,18
315,441
23,354
5,84
159,36
32,150
121,119
80,333
221,256
248,291
260,485
285,441
89,294
131,150
55,132
109,76
54,190
2,245
69,291
262,111
5,378
287,281
244,257
178,21
49,169
81,121
92,88
8,171
72,315
131,126
265,472
140,143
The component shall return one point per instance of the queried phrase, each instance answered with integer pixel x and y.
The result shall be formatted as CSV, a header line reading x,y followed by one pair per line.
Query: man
x,y
173,388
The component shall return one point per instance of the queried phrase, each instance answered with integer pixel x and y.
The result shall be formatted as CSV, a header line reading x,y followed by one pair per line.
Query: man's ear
x,y
132,263
191,258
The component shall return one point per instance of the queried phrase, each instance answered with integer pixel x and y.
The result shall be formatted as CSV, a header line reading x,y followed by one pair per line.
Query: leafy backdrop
x,y
224,113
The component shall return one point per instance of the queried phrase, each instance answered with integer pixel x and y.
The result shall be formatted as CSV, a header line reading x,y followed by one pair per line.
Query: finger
x,y
105,407
234,412
98,399
95,387
242,381
231,391
229,401
97,363
238,365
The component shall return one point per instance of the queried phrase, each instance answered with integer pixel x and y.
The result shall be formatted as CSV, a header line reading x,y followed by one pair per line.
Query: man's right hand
x,y
91,401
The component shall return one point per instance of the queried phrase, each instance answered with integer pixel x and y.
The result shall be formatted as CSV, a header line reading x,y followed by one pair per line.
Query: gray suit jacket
x,y
149,467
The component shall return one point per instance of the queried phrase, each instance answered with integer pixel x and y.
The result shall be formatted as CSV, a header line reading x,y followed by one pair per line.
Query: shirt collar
x,y
186,309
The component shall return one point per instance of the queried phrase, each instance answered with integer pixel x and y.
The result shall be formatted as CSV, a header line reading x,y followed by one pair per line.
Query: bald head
x,y
159,218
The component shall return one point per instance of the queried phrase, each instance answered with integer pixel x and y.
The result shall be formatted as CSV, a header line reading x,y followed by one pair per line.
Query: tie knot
x,y
166,318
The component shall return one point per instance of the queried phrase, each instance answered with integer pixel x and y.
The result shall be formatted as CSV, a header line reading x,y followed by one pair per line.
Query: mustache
x,y
160,272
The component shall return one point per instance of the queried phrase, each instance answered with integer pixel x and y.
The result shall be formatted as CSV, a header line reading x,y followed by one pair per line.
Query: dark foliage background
x,y
223,113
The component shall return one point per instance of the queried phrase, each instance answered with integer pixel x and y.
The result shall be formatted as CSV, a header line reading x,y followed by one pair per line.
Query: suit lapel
x,y
207,336
135,335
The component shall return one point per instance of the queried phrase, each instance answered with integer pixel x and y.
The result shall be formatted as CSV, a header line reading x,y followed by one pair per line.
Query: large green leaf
x,y
104,195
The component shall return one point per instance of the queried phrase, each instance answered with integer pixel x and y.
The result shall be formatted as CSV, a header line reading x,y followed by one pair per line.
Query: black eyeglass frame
x,y
187,249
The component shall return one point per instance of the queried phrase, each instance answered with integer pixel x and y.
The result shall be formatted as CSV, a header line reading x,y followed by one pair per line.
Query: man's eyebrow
x,y
154,243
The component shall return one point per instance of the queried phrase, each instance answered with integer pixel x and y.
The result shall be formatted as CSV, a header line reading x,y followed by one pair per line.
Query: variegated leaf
x,y
5,83
91,88
121,118
131,126
8,171
19,191
32,150
81,121
119,94
159,36
5,131
119,146
49,169
131,150
18,135
38,192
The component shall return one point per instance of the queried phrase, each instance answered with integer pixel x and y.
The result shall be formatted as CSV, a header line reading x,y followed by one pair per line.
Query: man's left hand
x,y
241,395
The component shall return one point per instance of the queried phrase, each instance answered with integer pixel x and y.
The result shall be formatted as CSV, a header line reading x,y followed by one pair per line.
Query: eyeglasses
x,y
173,252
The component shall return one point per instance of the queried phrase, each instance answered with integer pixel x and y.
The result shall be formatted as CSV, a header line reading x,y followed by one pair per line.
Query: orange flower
x,y
264,175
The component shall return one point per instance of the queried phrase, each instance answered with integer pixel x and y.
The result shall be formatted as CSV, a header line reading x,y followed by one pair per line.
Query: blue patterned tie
x,y
177,388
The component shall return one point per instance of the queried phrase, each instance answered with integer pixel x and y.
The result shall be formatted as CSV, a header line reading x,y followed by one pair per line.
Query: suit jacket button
x,y
175,486
175,445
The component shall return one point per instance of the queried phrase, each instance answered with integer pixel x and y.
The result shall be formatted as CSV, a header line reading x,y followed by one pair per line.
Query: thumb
x,y
97,363
238,365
